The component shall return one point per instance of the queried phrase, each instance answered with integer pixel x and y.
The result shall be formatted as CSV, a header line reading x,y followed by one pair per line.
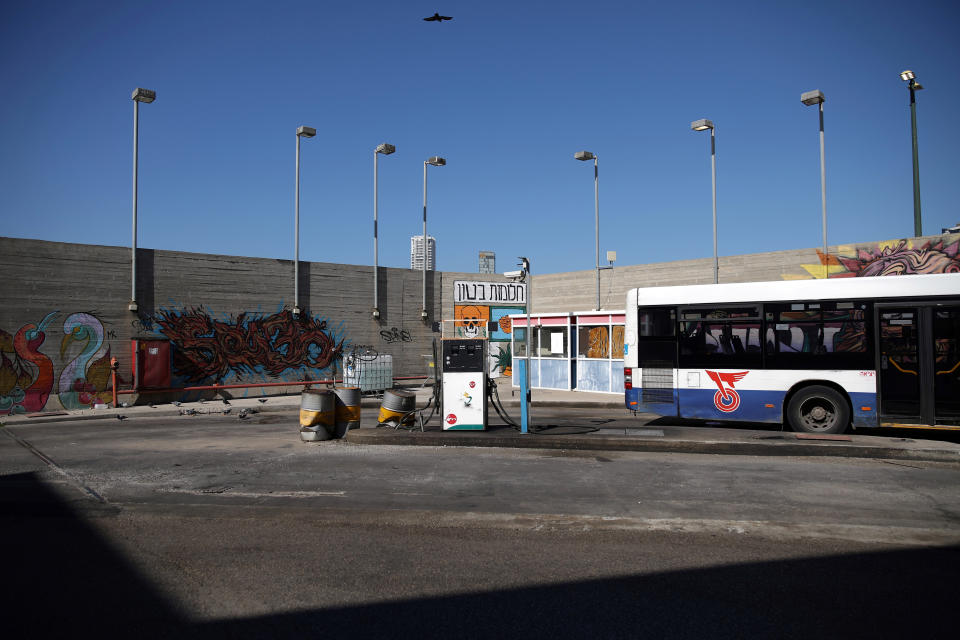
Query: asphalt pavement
x,y
568,420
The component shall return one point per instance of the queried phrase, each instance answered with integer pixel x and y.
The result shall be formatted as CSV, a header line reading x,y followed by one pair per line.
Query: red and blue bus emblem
x,y
726,399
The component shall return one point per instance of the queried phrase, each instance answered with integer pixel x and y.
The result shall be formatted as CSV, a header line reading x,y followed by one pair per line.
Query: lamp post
x,y
302,132
811,98
702,125
139,95
911,79
386,149
436,161
584,156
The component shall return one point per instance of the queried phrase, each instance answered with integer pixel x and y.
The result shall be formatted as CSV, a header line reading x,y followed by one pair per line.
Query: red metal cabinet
x,y
152,364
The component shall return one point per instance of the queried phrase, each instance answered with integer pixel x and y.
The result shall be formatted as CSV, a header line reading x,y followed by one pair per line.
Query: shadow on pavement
x,y
882,595
61,576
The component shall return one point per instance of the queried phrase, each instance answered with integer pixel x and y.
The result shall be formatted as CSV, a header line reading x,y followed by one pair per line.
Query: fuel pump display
x,y
464,381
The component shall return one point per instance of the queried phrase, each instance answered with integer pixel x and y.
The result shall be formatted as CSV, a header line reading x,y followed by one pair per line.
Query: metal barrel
x,y
347,411
395,404
314,433
318,408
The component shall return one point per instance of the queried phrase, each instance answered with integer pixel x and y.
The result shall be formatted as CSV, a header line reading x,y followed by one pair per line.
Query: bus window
x,y
829,335
720,338
657,323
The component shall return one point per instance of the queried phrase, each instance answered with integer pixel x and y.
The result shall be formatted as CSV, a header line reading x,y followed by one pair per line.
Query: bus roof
x,y
869,288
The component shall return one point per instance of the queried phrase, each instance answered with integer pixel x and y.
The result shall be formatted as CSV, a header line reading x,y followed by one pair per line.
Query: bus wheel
x,y
818,409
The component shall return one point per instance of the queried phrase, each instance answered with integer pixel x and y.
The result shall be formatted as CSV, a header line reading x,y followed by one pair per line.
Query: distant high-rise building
x,y
488,262
416,253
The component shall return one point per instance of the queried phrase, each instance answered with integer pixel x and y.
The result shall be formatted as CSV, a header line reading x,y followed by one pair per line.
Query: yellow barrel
x,y
318,408
395,404
348,410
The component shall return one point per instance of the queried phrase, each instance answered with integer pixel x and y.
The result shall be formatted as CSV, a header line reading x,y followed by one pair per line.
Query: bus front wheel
x,y
817,409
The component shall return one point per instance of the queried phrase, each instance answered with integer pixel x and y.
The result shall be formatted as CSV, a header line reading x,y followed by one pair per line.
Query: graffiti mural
x,y
85,379
897,257
26,374
249,345
471,319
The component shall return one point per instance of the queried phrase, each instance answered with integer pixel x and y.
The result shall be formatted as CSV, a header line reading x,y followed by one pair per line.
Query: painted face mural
x,y
471,319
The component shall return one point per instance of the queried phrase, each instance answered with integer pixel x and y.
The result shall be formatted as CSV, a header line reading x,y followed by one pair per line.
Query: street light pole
x,y
584,156
386,149
811,98
302,132
702,125
911,79
436,161
139,95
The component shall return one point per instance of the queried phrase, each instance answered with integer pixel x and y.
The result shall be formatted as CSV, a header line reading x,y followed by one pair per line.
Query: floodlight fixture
x,y
436,161
144,95
306,132
583,155
811,98
385,148
701,125
907,75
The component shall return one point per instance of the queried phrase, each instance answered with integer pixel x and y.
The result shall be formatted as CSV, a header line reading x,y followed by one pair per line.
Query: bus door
x,y
919,363
657,359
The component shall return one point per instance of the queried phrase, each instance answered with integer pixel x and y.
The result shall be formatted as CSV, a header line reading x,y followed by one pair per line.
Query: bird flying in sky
x,y
436,17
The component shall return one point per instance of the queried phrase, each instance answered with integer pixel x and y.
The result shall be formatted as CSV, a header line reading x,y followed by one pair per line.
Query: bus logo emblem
x,y
725,399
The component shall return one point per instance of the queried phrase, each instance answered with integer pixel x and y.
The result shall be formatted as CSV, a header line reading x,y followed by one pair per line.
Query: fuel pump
x,y
464,384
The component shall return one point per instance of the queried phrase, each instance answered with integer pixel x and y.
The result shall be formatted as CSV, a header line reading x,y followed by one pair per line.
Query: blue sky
x,y
506,92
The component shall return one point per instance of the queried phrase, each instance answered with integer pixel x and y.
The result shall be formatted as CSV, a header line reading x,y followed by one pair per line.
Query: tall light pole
x,y
436,161
584,156
702,125
811,98
139,95
302,132
911,79
386,149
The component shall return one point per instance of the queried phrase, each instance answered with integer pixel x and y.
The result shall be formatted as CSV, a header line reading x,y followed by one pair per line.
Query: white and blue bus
x,y
817,355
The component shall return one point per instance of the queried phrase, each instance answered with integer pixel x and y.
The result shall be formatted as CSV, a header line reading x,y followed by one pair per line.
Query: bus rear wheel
x,y
817,409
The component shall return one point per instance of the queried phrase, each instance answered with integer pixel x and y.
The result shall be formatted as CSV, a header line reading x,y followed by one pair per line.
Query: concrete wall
x,y
65,314
64,310
576,291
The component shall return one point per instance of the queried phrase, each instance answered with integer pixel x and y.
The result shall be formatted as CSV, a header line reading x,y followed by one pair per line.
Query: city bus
x,y
819,356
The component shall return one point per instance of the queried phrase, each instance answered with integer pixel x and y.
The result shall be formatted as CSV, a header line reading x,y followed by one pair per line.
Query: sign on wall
x,y
470,292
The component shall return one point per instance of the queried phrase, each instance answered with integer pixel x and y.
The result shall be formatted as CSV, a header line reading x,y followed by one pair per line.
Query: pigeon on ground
x,y
121,417
261,400
243,413
201,400
226,411
176,403
225,401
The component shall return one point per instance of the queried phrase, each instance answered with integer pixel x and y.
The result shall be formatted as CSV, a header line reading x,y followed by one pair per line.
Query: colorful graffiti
x,y
471,320
85,379
897,257
26,374
277,345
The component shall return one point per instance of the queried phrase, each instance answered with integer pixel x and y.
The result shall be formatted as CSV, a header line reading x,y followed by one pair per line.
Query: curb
x,y
370,436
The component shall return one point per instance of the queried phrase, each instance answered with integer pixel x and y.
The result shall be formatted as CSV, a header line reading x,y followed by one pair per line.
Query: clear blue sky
x,y
506,92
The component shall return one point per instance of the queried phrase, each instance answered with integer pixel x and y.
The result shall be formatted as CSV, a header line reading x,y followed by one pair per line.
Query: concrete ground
x,y
570,420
